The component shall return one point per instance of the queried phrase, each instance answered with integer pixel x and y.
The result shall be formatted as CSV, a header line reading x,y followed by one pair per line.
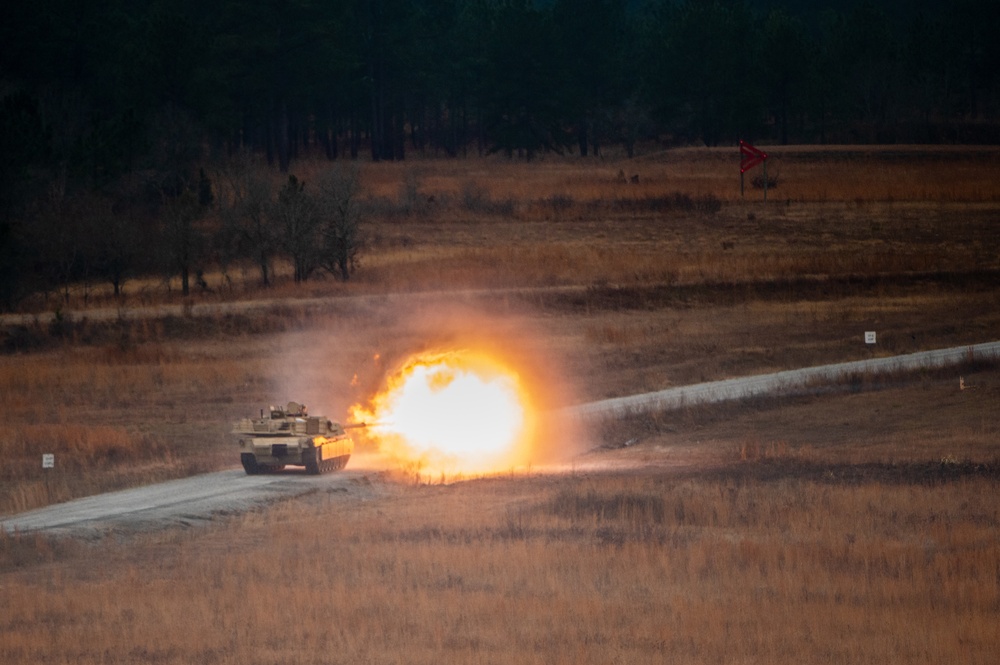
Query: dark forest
x,y
93,92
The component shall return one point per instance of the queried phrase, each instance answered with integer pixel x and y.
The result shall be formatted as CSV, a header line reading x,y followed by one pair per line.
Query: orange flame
x,y
454,412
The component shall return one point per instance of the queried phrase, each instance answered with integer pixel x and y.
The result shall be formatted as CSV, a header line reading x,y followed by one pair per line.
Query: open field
x,y
494,223
857,524
778,559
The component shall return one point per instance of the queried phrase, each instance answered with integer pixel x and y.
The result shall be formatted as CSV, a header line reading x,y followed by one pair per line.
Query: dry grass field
x,y
749,564
858,524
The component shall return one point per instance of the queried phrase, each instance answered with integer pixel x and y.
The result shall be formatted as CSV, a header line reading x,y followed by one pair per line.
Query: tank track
x,y
316,466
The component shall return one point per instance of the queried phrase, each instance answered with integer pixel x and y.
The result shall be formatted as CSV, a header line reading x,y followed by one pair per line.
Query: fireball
x,y
455,412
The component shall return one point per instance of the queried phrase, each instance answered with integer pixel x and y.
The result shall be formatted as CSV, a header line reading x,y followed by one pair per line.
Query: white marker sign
x,y
870,337
48,461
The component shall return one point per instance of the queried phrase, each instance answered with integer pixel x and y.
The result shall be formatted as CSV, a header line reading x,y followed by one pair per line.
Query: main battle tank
x,y
290,436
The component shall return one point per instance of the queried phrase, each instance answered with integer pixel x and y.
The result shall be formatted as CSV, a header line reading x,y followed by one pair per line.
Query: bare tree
x,y
339,215
295,215
245,199
183,241
118,245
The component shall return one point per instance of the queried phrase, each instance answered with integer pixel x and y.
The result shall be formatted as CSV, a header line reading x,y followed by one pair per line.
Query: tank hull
x,y
316,454
290,438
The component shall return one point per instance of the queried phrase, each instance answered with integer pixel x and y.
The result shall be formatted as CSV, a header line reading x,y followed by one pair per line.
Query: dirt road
x,y
795,380
186,501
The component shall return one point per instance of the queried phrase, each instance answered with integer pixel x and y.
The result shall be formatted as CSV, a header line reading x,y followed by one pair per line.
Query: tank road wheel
x,y
249,464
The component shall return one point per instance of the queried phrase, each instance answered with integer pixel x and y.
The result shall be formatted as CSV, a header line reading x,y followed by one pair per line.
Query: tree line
x,y
108,110
142,227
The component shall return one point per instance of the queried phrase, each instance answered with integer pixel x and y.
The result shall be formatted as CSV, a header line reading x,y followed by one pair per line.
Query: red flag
x,y
750,156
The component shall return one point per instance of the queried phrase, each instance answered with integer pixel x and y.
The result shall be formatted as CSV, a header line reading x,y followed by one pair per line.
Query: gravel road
x,y
186,501
790,380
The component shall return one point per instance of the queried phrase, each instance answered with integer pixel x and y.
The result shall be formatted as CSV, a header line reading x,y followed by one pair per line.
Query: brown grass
x,y
624,299
65,402
488,222
806,174
644,568
851,525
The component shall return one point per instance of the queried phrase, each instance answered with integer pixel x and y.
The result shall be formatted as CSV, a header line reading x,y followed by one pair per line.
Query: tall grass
x,y
639,568
88,458
112,418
